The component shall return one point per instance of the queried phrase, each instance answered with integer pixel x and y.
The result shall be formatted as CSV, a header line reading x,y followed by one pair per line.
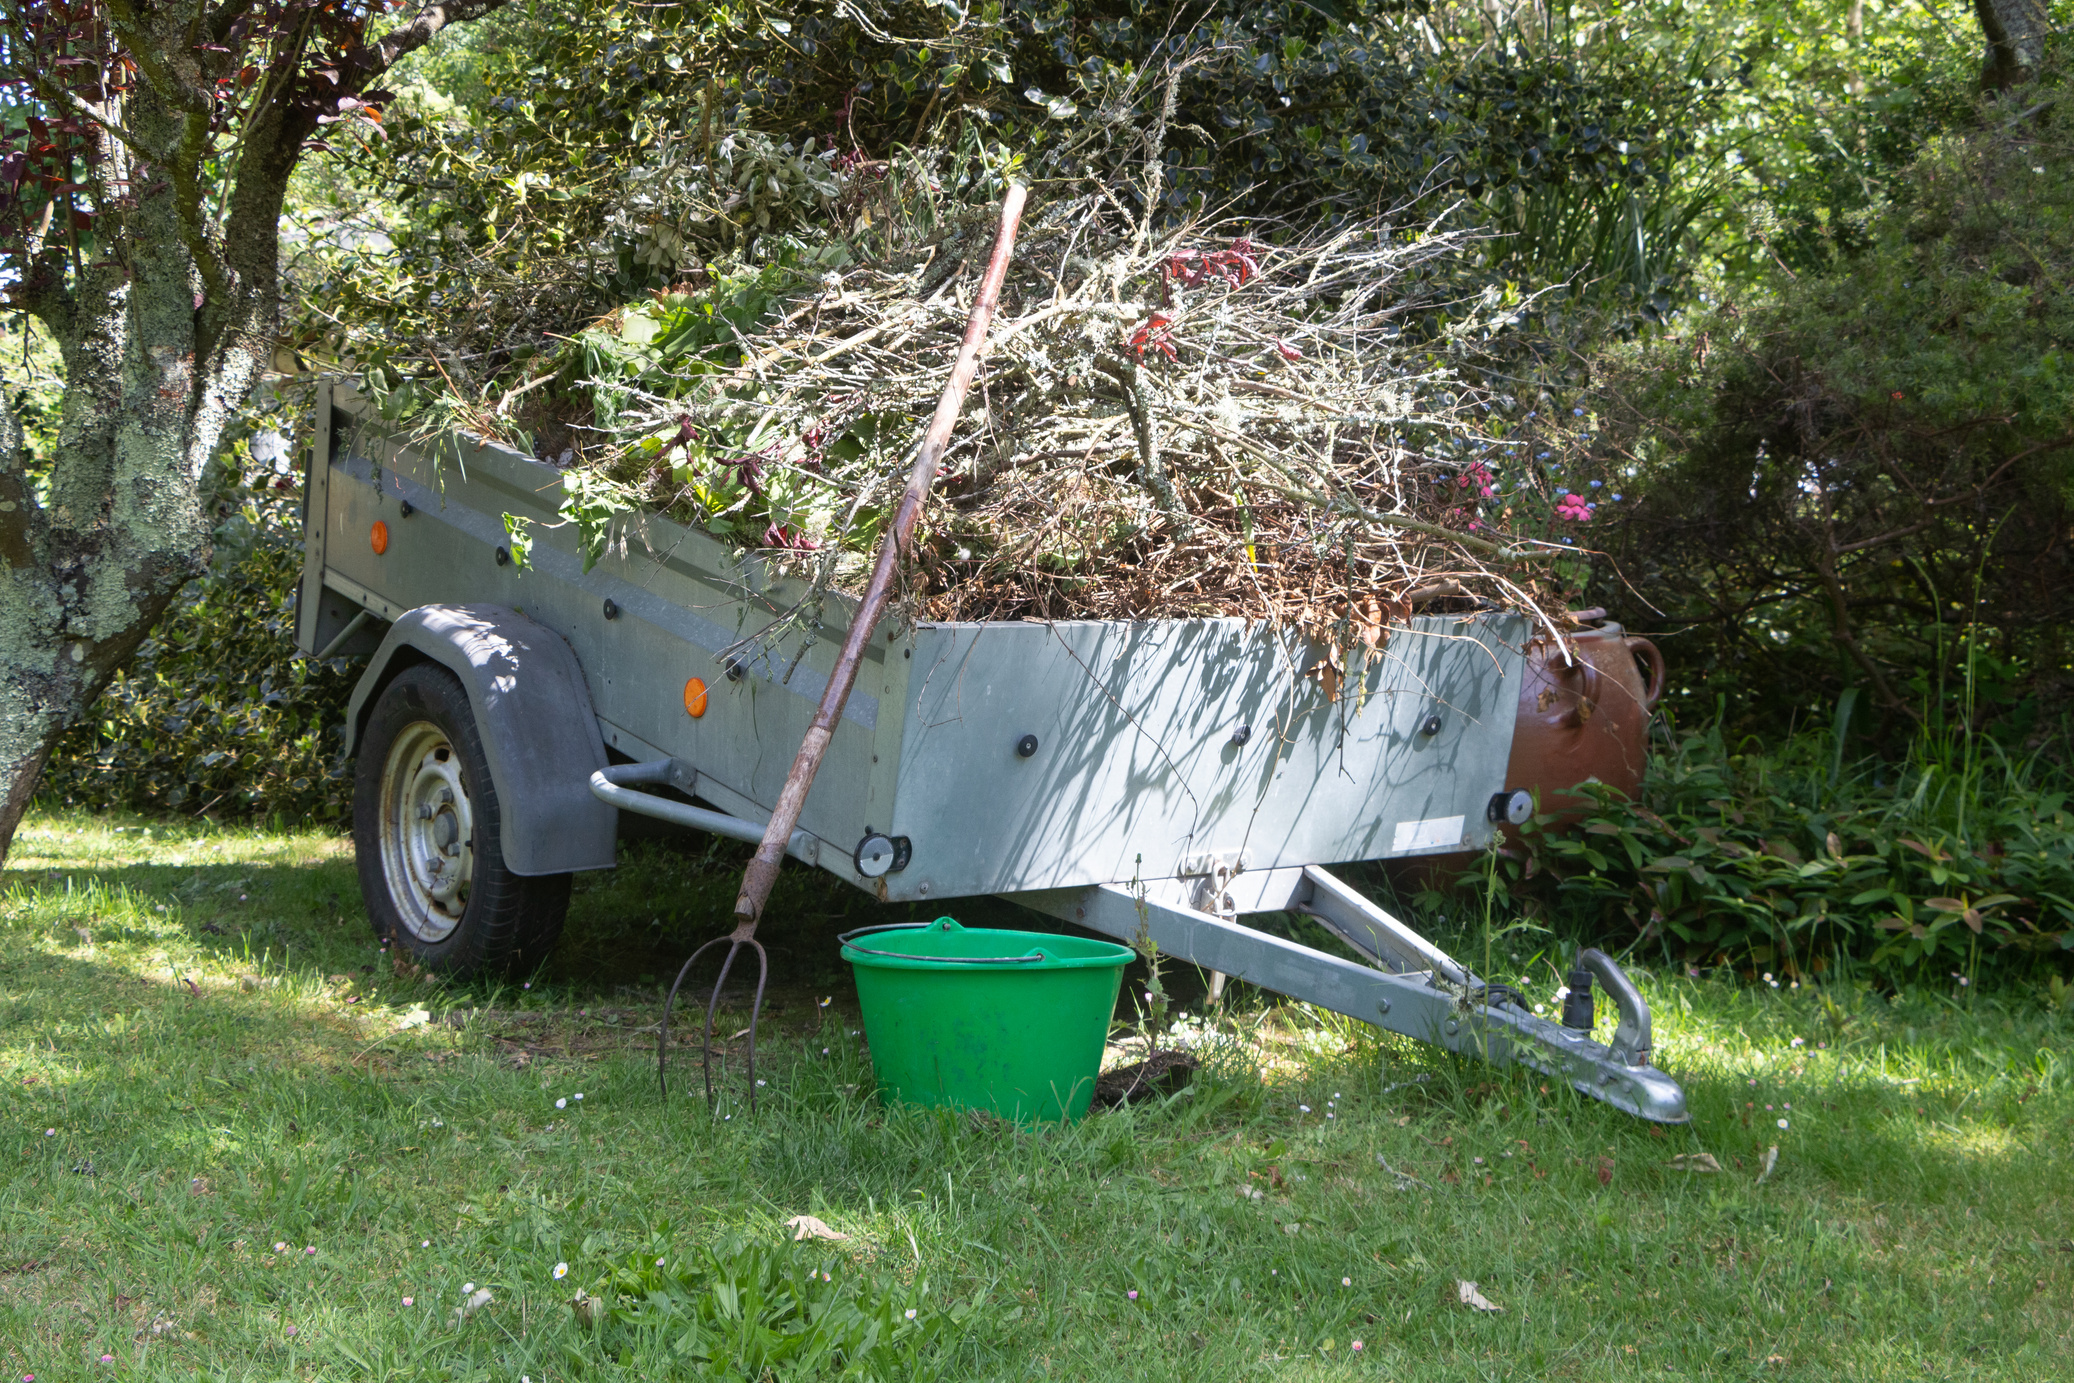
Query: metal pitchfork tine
x,y
762,873
737,939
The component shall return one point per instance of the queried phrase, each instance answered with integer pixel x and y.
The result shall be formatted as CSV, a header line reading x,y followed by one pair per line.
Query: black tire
x,y
426,831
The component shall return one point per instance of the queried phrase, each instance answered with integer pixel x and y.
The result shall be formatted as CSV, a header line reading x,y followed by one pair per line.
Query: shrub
x,y
1868,479
736,1309
219,712
1783,862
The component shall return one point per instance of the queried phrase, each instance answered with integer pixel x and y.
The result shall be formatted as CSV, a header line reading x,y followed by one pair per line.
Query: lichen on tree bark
x,y
160,138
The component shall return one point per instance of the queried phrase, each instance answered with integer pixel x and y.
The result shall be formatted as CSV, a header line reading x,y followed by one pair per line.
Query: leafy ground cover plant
x,y
1776,862
743,1308
208,1070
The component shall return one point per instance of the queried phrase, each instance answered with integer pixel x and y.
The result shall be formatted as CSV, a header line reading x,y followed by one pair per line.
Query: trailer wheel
x,y
425,829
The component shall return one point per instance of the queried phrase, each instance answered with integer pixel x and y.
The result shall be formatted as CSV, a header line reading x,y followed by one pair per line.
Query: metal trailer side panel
x,y
680,602
315,500
1139,770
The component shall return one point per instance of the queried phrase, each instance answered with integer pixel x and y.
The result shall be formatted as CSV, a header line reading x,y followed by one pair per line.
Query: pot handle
x,y
1587,690
1652,659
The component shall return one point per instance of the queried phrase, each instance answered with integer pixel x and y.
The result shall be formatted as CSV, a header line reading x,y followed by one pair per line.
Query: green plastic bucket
x,y
1012,1023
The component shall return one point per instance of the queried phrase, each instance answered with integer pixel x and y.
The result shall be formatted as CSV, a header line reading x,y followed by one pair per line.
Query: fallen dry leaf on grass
x,y
1605,1171
1771,1160
1467,1295
1694,1162
808,1227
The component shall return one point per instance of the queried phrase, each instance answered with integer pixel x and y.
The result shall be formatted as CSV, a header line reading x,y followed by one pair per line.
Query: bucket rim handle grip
x,y
1035,957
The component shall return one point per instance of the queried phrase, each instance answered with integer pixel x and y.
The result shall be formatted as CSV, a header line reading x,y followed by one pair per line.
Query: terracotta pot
x,y
1584,719
1576,721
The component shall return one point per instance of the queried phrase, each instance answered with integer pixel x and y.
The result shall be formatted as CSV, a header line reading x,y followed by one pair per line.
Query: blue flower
x,y
1577,412
1596,484
1616,499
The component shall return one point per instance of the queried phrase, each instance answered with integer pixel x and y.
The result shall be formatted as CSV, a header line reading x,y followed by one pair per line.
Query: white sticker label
x,y
1430,834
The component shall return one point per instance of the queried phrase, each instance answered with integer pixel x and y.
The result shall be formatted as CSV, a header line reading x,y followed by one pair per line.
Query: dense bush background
x,y
1864,478
1805,299
218,713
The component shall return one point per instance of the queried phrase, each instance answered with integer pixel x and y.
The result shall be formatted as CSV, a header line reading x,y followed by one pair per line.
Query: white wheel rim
x,y
428,832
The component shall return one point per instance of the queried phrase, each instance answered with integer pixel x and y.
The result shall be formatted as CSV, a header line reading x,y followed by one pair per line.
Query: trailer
x,y
1154,781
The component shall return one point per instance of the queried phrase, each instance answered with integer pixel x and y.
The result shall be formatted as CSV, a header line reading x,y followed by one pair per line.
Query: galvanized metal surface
x,y
310,635
616,784
1137,769
1441,1013
1140,766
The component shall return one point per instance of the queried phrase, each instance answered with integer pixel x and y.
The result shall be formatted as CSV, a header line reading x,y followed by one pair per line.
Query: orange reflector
x,y
378,539
694,698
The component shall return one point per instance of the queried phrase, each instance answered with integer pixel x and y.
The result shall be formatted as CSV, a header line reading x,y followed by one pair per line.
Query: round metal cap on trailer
x,y
1515,807
875,855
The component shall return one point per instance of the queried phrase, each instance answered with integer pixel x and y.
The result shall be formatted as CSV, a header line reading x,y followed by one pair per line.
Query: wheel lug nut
x,y
425,811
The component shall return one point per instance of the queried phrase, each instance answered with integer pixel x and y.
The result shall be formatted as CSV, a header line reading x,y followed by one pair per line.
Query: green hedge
x,y
218,713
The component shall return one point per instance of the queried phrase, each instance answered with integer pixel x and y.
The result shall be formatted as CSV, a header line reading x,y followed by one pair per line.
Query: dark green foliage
x,y
1869,480
517,208
1780,862
1832,171
218,713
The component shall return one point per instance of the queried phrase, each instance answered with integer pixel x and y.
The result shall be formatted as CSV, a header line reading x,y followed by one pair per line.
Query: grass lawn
x,y
235,1143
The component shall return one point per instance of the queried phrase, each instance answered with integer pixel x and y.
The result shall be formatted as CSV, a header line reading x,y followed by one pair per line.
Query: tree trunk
x,y
87,575
2015,31
164,326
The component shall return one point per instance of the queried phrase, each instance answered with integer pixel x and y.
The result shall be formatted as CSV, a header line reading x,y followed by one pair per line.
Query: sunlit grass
x,y
203,1054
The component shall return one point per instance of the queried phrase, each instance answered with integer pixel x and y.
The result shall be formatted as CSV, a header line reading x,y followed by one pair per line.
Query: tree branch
x,y
21,519
185,171
143,47
363,65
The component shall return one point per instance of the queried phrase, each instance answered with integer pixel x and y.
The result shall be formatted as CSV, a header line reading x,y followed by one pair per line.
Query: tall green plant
x,y
1756,858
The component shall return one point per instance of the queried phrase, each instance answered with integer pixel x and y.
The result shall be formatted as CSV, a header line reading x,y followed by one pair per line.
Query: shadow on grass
x,y
1931,1098
207,1121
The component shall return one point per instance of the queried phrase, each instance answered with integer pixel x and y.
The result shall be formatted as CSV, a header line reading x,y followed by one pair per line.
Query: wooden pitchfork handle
x,y
762,873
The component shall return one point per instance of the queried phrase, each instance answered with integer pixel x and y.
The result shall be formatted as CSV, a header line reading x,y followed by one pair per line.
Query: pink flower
x,y
1132,1294
1357,1346
1573,508
410,1301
